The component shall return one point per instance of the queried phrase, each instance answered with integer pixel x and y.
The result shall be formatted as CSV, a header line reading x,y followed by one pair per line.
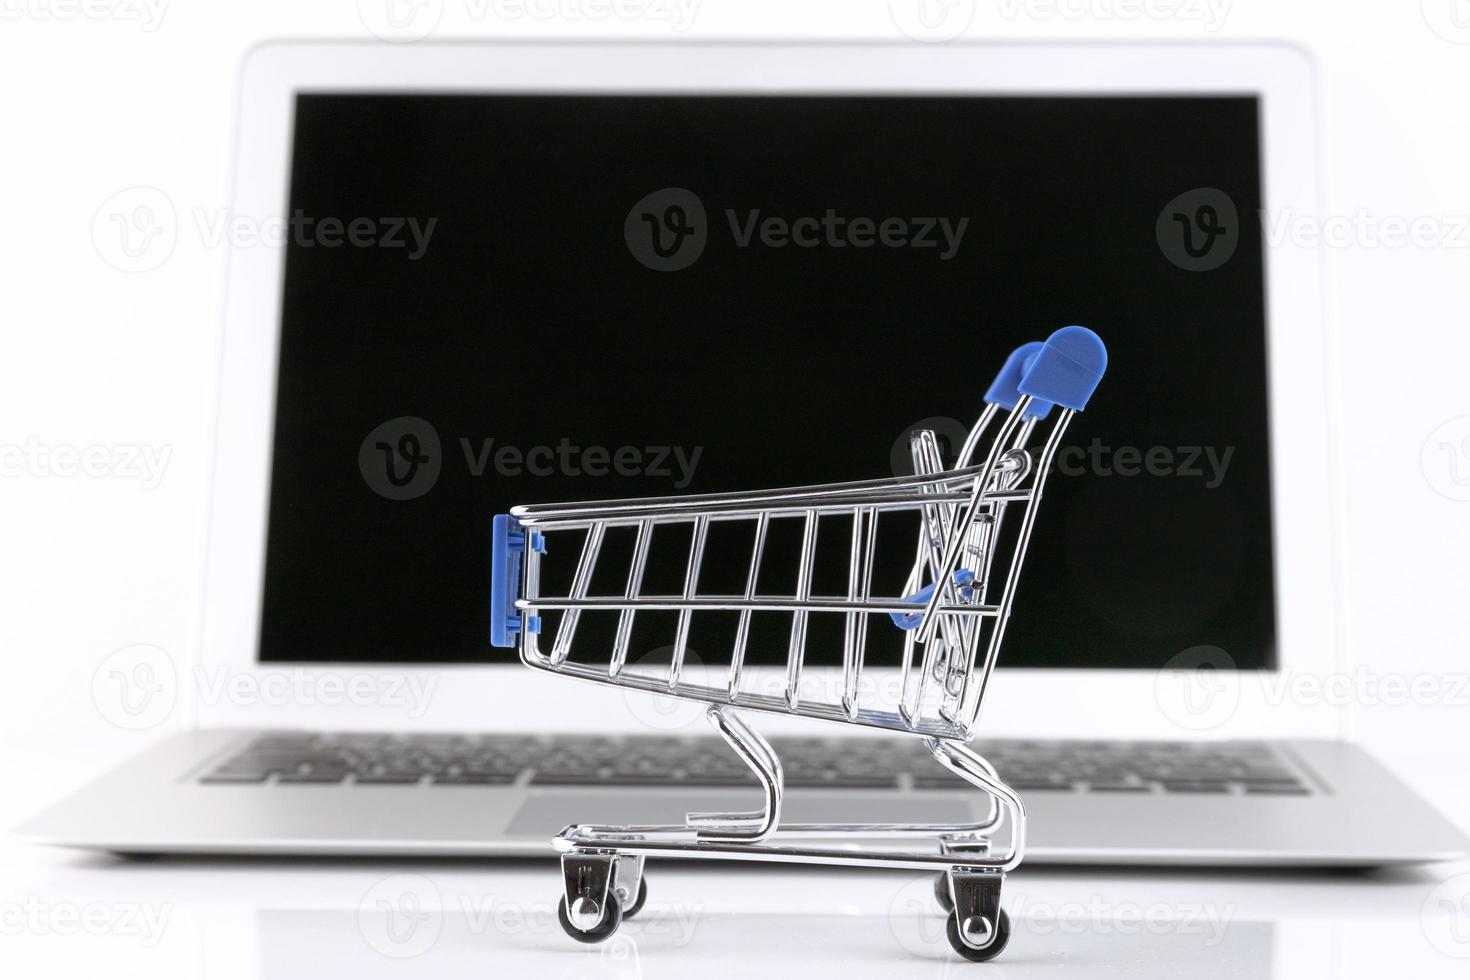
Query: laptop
x,y
532,273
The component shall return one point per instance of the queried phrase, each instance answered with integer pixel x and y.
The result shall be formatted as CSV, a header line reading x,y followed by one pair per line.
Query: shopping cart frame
x,y
961,512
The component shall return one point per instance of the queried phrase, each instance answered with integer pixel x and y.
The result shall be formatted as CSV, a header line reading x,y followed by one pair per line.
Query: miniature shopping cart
x,y
966,528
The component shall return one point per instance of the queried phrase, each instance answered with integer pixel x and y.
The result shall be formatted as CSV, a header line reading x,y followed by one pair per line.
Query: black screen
x,y
478,313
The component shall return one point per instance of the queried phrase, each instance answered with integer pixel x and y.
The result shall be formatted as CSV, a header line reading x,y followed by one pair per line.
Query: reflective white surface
x,y
67,915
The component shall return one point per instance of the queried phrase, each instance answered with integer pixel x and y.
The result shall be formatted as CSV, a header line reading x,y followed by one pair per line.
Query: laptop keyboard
x,y
287,758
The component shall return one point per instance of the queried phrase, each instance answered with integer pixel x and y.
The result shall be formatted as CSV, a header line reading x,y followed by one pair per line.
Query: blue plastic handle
x,y
1004,390
508,539
1067,368
907,621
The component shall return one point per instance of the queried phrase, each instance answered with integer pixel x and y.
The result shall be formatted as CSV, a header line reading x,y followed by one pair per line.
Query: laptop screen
x,y
492,300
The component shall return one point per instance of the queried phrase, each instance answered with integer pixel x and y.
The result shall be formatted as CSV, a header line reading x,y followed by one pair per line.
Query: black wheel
x,y
941,892
612,917
637,905
990,952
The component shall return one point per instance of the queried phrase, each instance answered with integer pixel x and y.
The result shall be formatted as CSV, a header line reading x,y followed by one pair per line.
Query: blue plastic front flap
x,y
507,544
1067,368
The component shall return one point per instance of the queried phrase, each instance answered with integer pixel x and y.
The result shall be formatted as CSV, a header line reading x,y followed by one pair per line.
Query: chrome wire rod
x,y
742,631
691,585
630,594
566,630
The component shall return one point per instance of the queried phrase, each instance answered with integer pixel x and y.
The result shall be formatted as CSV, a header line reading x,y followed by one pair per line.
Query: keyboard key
x,y
471,779
322,778
940,780
387,779
832,779
237,779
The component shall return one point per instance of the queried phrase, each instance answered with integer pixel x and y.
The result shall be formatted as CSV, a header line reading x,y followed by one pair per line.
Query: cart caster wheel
x,y
637,905
997,941
606,925
941,893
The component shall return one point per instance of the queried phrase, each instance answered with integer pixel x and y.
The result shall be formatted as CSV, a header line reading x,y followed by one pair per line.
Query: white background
x,y
104,98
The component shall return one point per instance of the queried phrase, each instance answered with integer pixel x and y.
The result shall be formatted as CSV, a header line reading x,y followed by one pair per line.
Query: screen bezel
x,y
1028,699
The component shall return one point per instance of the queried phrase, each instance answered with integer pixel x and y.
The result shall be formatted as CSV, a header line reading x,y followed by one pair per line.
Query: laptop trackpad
x,y
548,811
